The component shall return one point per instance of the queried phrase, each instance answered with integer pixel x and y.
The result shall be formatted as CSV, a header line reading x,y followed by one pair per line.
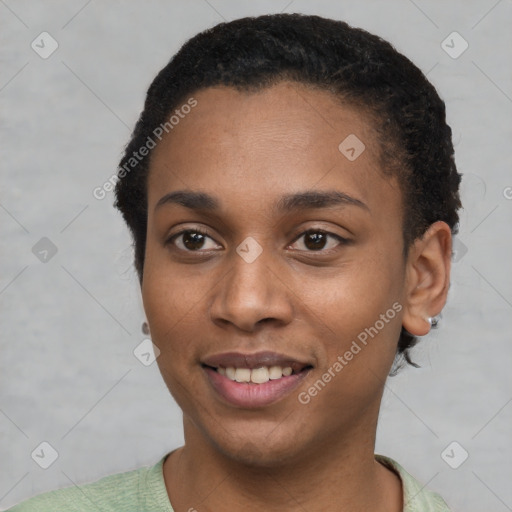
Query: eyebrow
x,y
288,203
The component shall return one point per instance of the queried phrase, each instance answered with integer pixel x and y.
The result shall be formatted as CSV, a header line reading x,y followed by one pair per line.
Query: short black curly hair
x,y
358,67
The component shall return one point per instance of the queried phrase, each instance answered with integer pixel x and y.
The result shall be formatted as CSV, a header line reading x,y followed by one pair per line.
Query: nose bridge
x,y
251,292
250,280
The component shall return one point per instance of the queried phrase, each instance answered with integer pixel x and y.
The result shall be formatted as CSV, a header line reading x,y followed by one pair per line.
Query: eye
x,y
197,240
192,240
318,240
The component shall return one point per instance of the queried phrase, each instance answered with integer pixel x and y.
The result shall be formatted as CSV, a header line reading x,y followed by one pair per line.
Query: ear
x,y
427,278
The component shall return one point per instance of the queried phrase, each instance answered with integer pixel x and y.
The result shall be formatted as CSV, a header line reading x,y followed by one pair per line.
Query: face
x,y
269,250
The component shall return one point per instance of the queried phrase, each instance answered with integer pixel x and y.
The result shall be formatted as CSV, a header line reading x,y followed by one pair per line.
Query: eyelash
x,y
340,239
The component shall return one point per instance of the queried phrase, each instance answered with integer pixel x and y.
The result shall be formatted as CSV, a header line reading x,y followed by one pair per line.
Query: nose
x,y
252,294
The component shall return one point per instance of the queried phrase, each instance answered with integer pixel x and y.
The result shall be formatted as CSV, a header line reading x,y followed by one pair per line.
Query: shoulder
x,y
121,492
416,497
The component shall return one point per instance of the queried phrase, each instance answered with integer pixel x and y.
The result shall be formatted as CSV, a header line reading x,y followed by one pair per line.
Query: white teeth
x,y
275,372
259,375
256,375
243,375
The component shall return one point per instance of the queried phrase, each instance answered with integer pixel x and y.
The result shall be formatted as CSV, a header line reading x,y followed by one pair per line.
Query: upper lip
x,y
256,360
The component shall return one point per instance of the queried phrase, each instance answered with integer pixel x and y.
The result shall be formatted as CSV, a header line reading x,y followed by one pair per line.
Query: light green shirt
x,y
143,490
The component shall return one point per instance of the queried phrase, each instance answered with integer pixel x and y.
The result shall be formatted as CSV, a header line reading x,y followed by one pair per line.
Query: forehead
x,y
282,138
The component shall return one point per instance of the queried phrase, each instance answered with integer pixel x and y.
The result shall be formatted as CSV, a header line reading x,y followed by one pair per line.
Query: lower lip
x,y
249,395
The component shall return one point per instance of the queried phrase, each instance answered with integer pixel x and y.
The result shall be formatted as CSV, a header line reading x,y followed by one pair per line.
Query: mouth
x,y
254,380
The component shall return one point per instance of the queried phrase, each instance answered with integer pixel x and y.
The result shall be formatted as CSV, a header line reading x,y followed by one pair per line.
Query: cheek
x,y
172,308
168,290
354,296
359,324
170,302
357,313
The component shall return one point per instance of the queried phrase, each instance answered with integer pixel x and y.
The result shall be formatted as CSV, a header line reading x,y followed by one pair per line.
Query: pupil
x,y
193,240
318,240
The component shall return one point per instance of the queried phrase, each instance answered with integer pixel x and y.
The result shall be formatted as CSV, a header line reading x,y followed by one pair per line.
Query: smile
x,y
256,375
244,380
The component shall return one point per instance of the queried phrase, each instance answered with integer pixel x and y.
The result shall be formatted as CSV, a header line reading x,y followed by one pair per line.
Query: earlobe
x,y
427,278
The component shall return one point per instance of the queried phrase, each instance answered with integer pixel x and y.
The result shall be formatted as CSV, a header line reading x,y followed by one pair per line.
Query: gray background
x,y
68,375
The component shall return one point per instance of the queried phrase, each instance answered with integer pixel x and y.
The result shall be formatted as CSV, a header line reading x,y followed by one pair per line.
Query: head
x,y
257,109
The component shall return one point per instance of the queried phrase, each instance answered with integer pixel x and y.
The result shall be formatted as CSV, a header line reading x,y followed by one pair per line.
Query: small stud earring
x,y
145,328
434,321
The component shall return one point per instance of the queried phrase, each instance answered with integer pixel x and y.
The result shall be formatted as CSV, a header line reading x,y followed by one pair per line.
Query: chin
x,y
260,451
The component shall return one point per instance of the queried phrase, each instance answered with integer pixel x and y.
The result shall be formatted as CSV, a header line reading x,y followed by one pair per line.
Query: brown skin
x,y
247,150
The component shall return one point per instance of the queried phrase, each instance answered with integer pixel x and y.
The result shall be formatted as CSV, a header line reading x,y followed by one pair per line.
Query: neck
x,y
334,474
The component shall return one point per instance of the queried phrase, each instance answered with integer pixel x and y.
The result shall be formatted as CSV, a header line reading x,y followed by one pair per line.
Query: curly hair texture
x,y
360,68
